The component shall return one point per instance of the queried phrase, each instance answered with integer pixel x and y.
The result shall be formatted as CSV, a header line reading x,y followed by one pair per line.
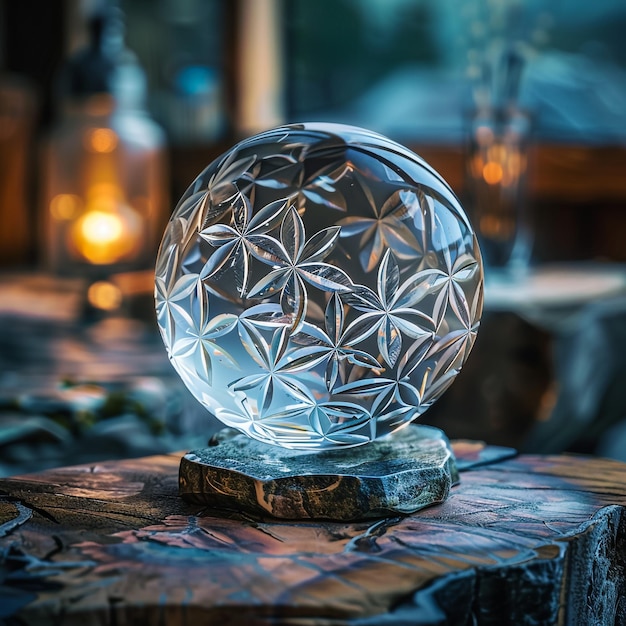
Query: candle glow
x,y
109,230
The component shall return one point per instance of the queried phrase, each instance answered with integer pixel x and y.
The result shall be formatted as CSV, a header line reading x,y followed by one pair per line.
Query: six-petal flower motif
x,y
391,311
234,242
395,400
386,230
279,365
456,271
296,261
174,302
334,343
195,348
221,186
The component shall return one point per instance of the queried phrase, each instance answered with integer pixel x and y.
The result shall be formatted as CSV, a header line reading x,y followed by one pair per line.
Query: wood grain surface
x,y
529,540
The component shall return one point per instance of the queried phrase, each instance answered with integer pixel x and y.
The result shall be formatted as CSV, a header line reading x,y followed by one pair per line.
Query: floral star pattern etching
x,y
318,286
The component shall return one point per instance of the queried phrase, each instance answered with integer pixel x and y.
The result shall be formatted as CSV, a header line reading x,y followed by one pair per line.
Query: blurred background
x,y
108,110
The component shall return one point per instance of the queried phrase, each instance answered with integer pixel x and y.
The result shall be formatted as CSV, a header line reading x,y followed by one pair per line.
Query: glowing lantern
x,y
105,197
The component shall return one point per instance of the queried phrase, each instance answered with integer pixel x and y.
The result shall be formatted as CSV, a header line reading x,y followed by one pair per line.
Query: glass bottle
x,y
105,175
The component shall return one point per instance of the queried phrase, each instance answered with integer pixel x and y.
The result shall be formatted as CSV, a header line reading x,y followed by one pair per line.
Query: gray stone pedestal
x,y
401,473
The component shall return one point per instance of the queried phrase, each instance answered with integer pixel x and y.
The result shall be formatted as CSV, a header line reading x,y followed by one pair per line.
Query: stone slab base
x,y
399,474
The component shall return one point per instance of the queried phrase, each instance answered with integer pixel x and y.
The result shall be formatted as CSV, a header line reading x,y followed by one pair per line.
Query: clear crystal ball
x,y
318,286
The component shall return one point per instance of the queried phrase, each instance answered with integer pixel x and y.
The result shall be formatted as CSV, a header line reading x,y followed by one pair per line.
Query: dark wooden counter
x,y
530,540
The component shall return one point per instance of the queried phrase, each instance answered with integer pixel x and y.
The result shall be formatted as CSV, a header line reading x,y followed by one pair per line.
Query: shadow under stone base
x,y
401,473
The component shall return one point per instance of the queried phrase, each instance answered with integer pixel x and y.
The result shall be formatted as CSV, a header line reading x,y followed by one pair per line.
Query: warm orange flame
x,y
109,230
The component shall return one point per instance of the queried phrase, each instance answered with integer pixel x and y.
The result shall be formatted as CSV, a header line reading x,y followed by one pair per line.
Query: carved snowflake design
x,y
296,261
341,422
279,367
395,400
455,273
385,230
222,184
173,302
392,311
235,242
195,348
321,187
334,343
285,169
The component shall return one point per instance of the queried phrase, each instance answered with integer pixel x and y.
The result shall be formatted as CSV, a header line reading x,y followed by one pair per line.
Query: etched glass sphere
x,y
318,286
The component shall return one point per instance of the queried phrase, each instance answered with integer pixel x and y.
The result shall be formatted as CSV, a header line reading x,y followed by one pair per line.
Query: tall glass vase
x,y
496,187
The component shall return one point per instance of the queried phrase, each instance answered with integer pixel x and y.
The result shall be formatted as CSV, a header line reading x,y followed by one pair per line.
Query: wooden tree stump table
x,y
528,540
